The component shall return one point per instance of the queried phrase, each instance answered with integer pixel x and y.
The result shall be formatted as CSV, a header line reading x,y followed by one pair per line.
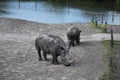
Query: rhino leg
x,y
69,44
45,56
77,40
72,43
39,54
54,61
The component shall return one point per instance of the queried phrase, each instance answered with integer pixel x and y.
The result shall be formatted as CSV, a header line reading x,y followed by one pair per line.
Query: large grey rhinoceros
x,y
51,44
73,36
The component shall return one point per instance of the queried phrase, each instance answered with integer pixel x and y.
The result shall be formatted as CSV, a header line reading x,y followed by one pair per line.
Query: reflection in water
x,y
61,11
3,5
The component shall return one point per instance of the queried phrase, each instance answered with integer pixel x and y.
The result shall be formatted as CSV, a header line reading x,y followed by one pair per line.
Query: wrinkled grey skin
x,y
51,44
73,36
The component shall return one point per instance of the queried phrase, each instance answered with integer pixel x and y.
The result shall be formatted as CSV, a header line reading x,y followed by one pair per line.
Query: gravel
x,y
19,59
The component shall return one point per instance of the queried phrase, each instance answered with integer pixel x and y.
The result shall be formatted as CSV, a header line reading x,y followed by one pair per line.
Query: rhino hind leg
x,y
39,54
45,56
77,41
72,43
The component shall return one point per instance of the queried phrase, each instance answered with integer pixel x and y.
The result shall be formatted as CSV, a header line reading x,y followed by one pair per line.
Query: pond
x,y
62,12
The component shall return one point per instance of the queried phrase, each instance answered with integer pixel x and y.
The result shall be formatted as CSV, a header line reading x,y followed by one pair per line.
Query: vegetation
x,y
100,27
118,5
107,56
109,59
118,1
102,4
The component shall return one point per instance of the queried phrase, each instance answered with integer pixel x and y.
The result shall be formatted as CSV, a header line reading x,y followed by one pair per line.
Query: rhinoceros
x,y
73,36
54,45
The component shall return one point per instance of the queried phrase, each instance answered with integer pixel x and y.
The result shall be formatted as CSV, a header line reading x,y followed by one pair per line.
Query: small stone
x,y
64,78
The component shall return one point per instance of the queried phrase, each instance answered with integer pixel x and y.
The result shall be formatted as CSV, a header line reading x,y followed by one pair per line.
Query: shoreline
x,y
115,25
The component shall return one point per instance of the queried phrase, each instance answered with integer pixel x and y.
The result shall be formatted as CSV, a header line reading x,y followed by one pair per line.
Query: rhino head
x,y
65,57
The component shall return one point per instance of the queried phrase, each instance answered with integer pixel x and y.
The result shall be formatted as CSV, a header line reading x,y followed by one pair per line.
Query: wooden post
x,y
102,19
105,28
96,23
112,37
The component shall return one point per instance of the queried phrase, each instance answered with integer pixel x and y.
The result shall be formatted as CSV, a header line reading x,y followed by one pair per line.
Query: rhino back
x,y
49,43
73,32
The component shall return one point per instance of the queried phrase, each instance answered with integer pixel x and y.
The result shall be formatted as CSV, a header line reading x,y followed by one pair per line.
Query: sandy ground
x,y
19,59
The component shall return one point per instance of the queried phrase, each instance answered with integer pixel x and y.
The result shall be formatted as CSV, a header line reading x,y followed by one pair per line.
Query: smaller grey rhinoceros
x,y
51,44
73,36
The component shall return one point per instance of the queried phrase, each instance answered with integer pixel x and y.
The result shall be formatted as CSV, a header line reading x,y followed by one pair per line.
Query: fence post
x,y
105,28
112,37
96,23
102,19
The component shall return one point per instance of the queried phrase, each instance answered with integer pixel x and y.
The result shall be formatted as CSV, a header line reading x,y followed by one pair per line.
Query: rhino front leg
x,y
72,43
54,61
39,54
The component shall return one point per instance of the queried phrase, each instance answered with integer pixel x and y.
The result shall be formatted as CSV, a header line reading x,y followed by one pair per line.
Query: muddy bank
x,y
19,59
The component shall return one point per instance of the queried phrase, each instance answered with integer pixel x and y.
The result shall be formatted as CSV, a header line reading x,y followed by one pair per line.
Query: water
x,y
56,12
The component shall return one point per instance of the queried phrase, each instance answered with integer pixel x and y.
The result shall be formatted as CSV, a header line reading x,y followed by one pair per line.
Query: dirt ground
x,y
19,59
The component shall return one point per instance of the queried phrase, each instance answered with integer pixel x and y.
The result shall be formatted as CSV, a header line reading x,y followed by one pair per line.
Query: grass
x,y
108,54
100,27
109,60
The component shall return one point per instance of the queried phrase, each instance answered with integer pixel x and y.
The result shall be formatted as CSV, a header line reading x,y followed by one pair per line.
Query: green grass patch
x,y
107,55
99,27
109,60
